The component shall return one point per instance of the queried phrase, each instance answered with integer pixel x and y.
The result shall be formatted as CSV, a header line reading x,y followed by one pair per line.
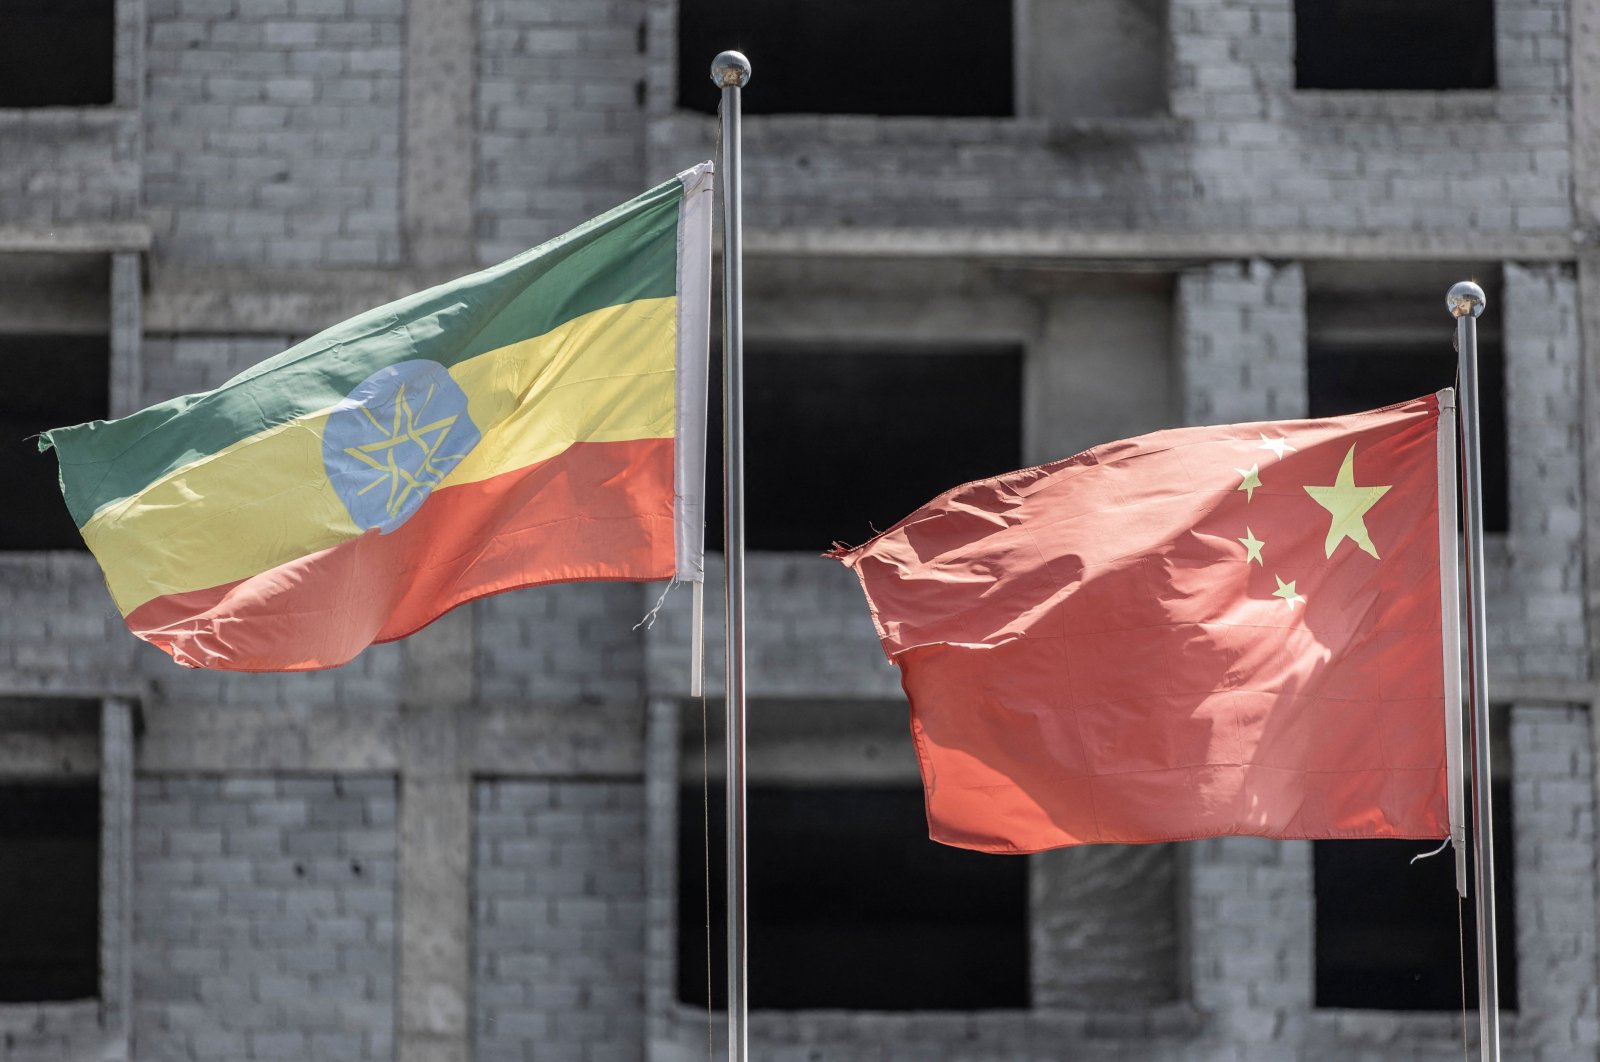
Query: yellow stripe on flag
x,y
606,376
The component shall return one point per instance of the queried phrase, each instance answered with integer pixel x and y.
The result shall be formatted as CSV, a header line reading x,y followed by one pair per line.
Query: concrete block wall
x,y
1241,342
273,131
1270,155
69,165
59,629
1552,760
1539,627
560,115
558,920
814,637
566,642
1241,148
1104,927
52,1032
173,365
1249,924
264,918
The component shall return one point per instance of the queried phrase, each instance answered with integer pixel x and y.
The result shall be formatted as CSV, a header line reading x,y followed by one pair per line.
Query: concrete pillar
x,y
116,877
1538,623
435,843
1103,927
661,870
438,135
1241,342
127,329
1554,847
1585,40
1251,934
1103,352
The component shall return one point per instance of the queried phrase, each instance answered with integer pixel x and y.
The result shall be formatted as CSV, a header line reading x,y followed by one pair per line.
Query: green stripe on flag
x,y
626,254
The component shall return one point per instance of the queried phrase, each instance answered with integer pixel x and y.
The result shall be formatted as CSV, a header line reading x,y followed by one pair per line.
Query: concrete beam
x,y
74,237
1083,247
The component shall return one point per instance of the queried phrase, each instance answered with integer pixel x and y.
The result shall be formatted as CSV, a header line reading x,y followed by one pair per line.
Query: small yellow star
x,y
1287,591
1347,504
1252,480
1277,446
1252,546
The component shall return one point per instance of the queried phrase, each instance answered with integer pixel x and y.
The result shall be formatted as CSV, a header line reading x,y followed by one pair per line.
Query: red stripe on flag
x,y
597,511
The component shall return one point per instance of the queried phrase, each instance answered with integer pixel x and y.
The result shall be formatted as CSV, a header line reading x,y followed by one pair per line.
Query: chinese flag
x,y
1200,632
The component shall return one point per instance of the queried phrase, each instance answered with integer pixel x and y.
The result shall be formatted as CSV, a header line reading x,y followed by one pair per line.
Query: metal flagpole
x,y
731,72
1465,302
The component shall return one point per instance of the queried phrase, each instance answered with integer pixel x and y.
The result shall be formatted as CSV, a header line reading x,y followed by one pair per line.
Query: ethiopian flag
x,y
541,421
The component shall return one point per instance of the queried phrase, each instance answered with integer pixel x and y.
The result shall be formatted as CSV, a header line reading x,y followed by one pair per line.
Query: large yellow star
x,y
1252,480
1347,504
1252,547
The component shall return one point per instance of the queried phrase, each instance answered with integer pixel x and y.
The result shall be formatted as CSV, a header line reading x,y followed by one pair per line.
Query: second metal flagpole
x,y
1465,302
731,72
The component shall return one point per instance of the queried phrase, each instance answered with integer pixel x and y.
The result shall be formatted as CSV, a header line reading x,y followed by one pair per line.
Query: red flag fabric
x,y
1199,632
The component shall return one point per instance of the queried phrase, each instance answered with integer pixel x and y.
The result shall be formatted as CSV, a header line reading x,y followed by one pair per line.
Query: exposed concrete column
x,y
1251,935
661,870
1588,311
1241,342
1103,927
1536,627
1554,848
1585,40
116,877
436,843
127,329
439,145
128,77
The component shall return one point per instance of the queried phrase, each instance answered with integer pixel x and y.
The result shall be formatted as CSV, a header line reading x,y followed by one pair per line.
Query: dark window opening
x,y
852,907
842,443
57,53
890,57
1387,929
55,380
1425,45
50,891
1367,349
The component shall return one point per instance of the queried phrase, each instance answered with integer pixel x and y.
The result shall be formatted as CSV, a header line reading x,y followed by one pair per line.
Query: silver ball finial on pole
x,y
730,70
1465,297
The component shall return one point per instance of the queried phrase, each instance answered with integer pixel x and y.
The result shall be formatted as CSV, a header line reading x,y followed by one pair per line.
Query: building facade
x,y
978,236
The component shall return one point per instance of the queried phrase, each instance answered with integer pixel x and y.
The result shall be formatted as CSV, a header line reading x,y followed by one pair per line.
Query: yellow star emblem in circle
x,y
1252,547
1287,591
1252,480
409,427
1347,504
1278,446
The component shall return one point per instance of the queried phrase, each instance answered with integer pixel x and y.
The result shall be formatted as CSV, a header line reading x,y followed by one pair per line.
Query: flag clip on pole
x,y
1466,302
730,71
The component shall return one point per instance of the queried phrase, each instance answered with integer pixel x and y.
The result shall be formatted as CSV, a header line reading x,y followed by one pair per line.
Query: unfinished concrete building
x,y
979,235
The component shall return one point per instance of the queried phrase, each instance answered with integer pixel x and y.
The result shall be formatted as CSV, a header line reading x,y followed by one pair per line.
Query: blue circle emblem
x,y
395,438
